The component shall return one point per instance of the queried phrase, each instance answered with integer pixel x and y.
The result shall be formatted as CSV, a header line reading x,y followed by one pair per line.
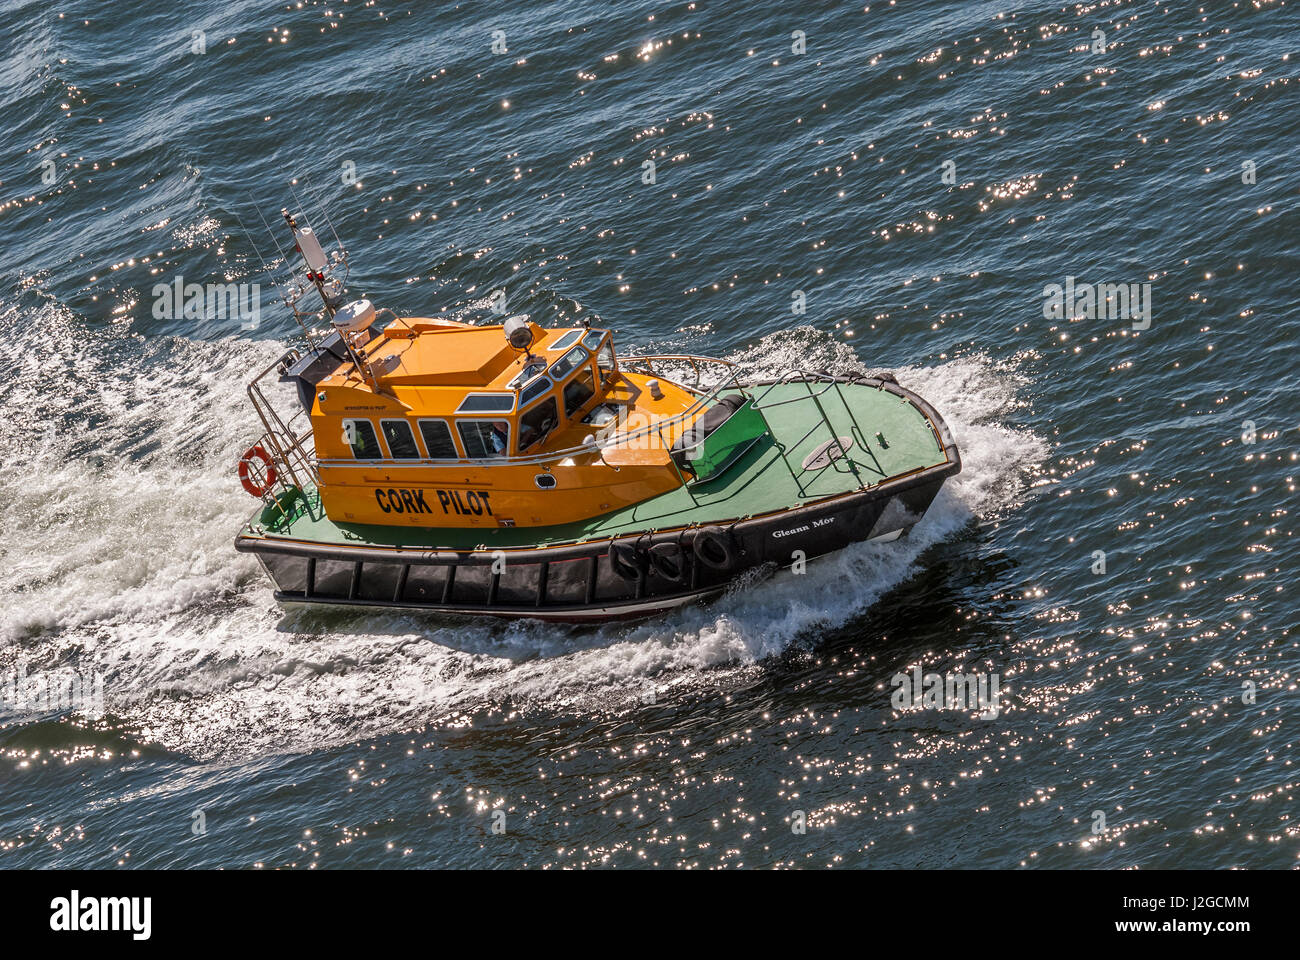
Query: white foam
x,y
118,558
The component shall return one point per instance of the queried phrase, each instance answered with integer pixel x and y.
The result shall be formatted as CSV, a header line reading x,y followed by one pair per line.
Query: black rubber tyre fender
x,y
626,559
668,560
712,547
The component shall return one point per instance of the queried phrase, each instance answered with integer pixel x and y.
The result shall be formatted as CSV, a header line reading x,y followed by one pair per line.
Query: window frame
x,y
606,344
550,385
388,446
456,447
560,378
377,434
510,430
594,372
571,336
548,397
503,395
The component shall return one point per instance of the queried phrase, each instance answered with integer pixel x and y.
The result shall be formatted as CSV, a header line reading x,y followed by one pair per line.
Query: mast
x,y
319,270
350,321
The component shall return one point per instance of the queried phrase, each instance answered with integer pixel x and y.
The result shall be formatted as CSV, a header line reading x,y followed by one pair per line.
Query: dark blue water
x,y
922,172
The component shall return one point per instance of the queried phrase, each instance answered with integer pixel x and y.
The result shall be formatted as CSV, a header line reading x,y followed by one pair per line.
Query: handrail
x,y
290,451
287,448
695,362
783,381
798,376
731,383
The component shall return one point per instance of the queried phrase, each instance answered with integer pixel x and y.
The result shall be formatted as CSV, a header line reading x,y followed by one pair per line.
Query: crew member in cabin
x,y
500,436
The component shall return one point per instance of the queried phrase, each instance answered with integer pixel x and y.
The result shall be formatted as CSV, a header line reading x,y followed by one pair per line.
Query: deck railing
x,y
823,420
648,365
290,443
286,441
640,435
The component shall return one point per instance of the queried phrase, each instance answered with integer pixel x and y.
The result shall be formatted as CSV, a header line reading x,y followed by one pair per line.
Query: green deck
x,y
759,482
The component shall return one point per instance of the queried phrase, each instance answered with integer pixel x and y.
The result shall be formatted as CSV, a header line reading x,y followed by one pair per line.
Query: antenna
x,y
266,267
253,243
319,270
340,253
351,322
324,211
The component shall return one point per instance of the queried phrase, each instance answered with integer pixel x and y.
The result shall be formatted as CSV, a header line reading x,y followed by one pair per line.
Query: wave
x,y
121,505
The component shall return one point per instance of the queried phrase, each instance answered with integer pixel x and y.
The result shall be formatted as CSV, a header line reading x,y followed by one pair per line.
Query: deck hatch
x,y
822,455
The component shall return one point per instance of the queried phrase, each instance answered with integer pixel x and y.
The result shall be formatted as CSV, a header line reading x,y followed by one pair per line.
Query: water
x,y
339,739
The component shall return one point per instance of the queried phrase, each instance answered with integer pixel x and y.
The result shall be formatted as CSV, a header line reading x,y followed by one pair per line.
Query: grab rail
x,y
796,376
294,452
647,432
287,447
695,362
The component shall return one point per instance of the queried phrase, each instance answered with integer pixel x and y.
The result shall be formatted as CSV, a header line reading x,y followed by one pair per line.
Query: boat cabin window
x,y
562,367
487,403
568,340
592,340
400,440
437,440
579,390
605,360
532,368
537,423
534,390
483,439
600,415
360,436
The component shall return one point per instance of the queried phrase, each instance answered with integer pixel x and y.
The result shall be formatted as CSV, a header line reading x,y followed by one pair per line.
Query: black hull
x,y
582,581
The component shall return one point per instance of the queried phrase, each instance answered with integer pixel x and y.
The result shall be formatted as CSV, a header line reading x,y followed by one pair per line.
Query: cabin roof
x,y
470,357
432,353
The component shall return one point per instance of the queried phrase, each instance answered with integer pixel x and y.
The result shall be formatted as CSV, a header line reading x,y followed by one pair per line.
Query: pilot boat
x,y
513,470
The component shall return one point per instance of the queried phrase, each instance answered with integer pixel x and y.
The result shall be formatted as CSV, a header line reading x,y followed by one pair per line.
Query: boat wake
x,y
120,503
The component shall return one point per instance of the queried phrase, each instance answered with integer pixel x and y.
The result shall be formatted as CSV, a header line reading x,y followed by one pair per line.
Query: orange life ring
x,y
245,471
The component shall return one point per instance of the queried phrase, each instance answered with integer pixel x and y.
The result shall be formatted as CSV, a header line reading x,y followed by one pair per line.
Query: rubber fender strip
x,y
593,569
543,571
